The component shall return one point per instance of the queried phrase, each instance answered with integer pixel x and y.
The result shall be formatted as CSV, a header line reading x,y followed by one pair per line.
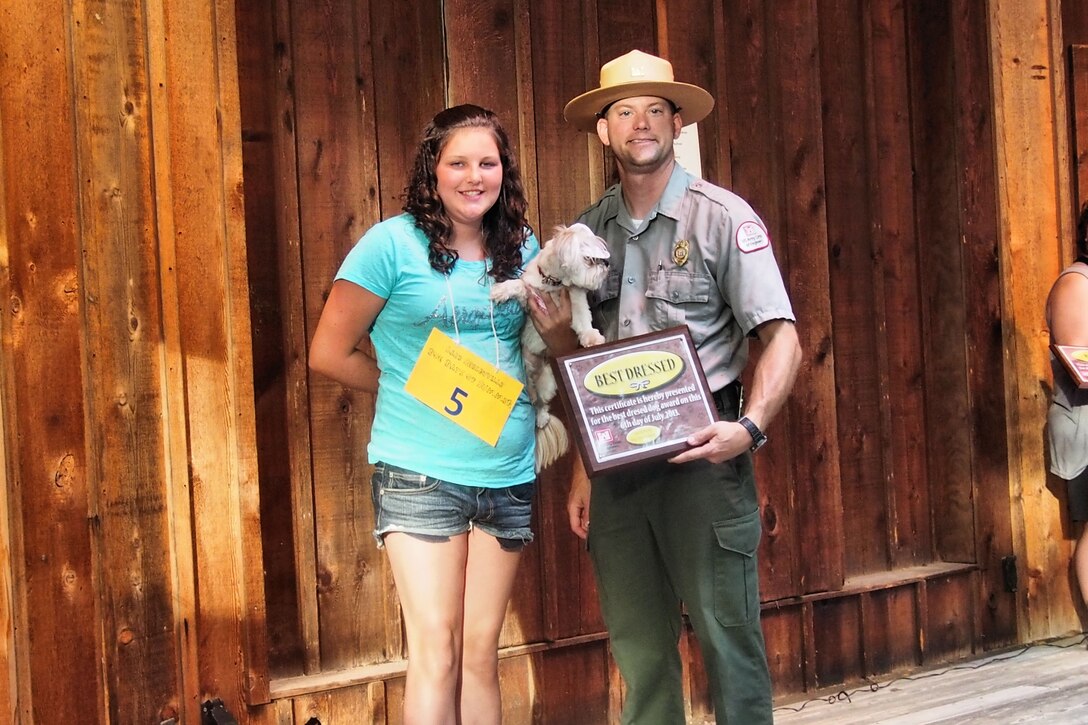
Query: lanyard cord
x,y
490,308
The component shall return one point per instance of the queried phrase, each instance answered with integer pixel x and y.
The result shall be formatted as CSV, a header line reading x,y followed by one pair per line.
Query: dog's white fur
x,y
574,258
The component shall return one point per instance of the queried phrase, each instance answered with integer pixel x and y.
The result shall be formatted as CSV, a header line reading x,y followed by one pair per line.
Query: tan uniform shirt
x,y
701,258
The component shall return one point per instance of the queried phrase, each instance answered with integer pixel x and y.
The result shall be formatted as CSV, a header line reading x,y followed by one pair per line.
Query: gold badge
x,y
680,253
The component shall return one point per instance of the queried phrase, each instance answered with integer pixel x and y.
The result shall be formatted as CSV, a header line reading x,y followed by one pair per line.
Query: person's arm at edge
x,y
1069,310
337,349
578,499
775,371
772,380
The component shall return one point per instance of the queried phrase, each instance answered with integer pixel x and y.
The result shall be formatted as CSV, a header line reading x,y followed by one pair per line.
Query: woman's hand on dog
x,y
551,315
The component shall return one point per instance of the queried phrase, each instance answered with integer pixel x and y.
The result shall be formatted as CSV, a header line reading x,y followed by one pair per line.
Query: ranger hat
x,y
637,74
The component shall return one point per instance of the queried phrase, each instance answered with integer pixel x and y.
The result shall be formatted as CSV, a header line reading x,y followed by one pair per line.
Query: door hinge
x,y
213,712
1008,569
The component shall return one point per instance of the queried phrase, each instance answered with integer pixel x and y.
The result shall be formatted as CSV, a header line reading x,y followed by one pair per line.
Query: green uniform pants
x,y
665,534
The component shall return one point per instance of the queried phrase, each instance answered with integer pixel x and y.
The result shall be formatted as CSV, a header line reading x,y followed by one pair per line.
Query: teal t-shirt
x,y
391,261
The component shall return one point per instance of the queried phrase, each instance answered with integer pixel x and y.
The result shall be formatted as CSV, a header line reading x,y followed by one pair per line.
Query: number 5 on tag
x,y
462,386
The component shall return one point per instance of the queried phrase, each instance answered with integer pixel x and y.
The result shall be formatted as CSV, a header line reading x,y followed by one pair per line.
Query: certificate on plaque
x,y
635,400
1075,360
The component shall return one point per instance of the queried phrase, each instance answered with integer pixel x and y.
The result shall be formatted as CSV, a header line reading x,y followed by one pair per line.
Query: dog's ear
x,y
590,244
569,250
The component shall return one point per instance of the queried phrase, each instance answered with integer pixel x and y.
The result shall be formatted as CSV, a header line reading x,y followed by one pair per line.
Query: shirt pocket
x,y
609,290
677,297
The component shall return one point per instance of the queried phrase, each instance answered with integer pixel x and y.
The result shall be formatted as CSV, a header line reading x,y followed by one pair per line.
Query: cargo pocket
x,y
736,581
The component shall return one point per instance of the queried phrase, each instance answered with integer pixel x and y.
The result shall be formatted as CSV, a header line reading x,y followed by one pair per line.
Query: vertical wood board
x,y
948,453
130,505
338,200
802,253
896,279
205,206
858,322
986,362
44,314
1030,242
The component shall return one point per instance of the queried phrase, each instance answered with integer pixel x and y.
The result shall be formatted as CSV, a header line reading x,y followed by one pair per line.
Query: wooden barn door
x,y
858,131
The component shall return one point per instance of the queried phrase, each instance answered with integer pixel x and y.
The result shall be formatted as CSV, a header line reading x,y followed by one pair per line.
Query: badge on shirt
x,y
751,238
463,387
680,252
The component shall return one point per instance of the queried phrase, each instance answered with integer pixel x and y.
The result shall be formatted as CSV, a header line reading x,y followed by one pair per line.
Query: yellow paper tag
x,y
463,386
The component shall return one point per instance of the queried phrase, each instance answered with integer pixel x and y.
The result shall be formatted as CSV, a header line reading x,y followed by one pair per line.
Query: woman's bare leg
x,y
489,582
430,579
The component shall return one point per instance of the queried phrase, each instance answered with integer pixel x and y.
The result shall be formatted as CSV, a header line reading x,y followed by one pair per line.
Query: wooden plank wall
x,y
884,499
1035,226
187,511
128,416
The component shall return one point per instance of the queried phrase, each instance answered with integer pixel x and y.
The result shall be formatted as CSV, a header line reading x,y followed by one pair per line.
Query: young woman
x,y
1067,419
452,511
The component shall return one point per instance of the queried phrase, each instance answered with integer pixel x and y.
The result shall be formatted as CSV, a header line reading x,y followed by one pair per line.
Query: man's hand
x,y
578,501
551,315
717,442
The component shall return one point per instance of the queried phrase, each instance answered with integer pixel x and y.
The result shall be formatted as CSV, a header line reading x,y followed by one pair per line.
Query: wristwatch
x,y
758,437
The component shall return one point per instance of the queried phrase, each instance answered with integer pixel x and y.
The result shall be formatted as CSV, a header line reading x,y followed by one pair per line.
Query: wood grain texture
x,y
895,276
854,268
813,471
204,202
757,176
14,652
278,333
980,235
911,162
130,496
44,324
1031,239
339,198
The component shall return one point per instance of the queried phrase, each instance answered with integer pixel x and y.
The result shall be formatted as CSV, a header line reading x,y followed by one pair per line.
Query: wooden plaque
x,y
635,400
1075,360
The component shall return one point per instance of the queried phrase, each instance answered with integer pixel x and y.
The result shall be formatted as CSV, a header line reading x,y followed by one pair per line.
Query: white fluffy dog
x,y
577,259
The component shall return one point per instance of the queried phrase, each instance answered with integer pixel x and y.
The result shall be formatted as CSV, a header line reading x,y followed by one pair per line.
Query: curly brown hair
x,y
504,226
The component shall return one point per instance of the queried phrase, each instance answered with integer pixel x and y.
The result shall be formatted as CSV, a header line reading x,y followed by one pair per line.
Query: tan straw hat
x,y
637,74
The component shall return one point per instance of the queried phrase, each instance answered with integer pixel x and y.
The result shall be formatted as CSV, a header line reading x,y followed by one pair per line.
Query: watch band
x,y
758,437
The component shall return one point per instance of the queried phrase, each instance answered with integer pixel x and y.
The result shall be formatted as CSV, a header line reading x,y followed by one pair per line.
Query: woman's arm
x,y
336,350
1068,306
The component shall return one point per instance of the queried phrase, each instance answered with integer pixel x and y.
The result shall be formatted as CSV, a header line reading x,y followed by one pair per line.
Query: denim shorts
x,y
434,510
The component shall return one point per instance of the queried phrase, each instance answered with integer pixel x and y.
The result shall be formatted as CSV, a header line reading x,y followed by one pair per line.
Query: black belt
x,y
728,399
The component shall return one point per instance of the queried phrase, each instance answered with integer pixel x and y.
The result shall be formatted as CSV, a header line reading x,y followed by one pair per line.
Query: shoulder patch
x,y
751,237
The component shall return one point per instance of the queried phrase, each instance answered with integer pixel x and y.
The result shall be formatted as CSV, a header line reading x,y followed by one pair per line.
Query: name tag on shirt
x,y
462,386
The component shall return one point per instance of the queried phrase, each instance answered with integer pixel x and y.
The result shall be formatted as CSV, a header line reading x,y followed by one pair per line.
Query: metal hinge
x,y
213,712
1008,568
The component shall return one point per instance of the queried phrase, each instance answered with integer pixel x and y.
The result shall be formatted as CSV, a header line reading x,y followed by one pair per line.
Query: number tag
x,y
462,386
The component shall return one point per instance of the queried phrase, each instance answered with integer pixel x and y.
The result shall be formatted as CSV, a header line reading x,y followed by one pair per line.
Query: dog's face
x,y
575,256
